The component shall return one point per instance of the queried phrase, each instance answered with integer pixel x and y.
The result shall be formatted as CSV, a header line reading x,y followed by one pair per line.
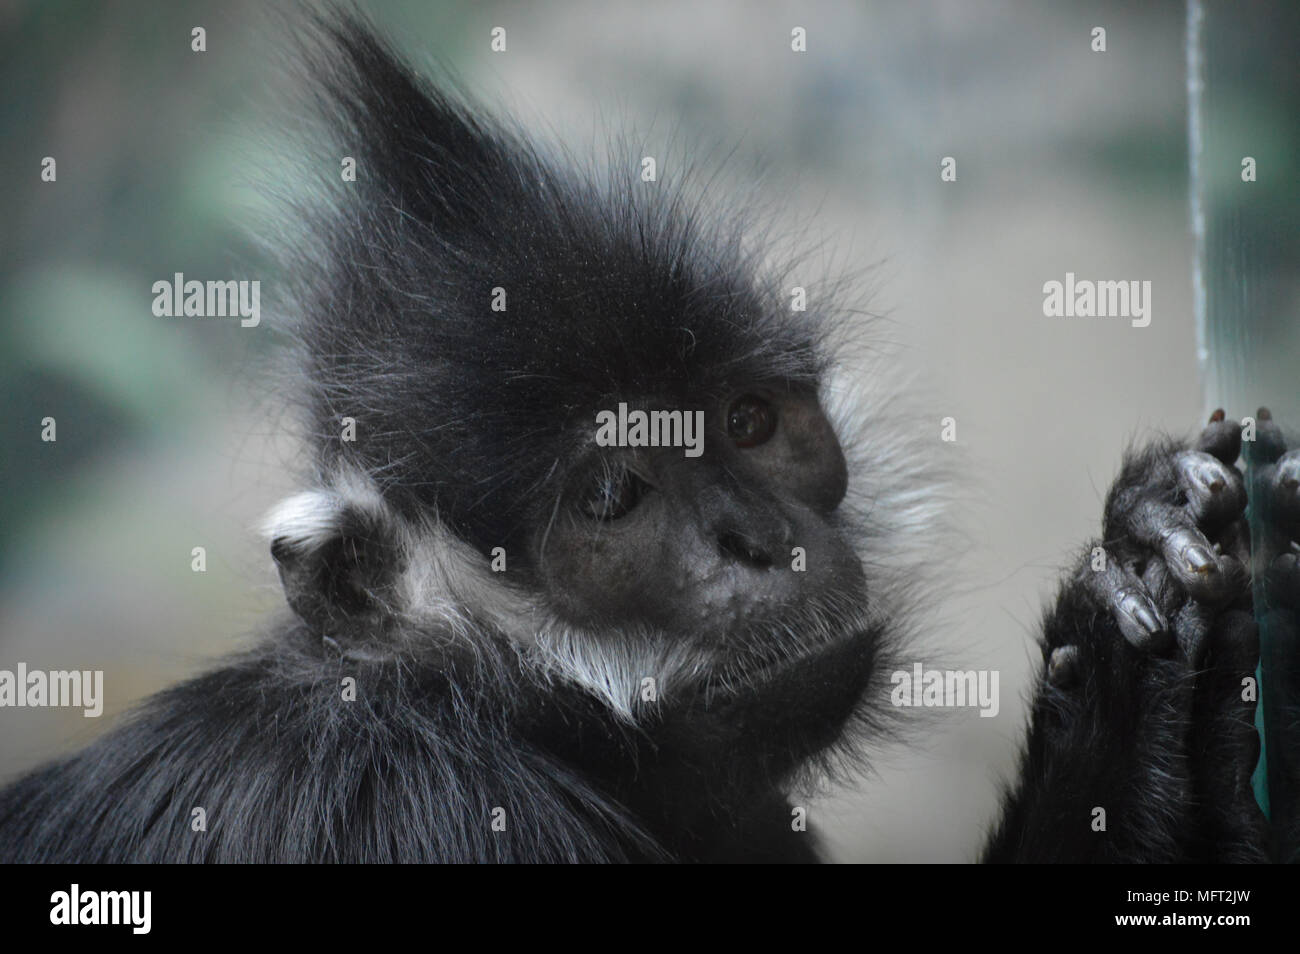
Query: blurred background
x,y
1068,160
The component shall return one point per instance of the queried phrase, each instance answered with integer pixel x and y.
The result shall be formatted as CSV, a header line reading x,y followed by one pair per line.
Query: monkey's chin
x,y
791,708
825,658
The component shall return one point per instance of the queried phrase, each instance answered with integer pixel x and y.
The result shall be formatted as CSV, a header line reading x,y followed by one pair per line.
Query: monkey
x,y
507,642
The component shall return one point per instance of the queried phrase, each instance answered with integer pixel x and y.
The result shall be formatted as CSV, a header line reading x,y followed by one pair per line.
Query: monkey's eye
x,y
751,421
613,494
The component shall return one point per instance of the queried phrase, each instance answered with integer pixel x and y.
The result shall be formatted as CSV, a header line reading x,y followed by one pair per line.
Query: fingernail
x,y
1150,622
1199,559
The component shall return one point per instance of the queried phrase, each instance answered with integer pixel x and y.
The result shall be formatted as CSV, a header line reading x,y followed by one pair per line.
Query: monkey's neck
x,y
711,772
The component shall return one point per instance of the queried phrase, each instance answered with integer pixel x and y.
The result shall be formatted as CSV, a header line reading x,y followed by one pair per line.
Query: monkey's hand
x,y
1142,740
1174,532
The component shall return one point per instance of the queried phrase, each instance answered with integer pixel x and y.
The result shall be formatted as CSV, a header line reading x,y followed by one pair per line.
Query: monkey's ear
x,y
338,559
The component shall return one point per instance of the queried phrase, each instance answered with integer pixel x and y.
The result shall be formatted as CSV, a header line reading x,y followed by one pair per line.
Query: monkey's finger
x,y
1215,491
1284,494
1269,443
1134,611
1189,555
1220,438
1280,511
1282,579
1063,666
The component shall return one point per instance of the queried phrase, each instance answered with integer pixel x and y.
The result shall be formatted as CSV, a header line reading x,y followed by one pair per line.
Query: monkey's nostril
x,y
738,548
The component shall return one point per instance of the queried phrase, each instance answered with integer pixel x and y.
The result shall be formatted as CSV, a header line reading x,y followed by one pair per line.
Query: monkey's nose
x,y
744,550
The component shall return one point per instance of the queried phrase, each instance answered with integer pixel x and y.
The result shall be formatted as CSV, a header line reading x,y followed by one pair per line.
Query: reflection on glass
x,y
1244,97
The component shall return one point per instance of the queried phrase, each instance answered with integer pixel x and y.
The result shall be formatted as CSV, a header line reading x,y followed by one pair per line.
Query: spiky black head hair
x,y
614,289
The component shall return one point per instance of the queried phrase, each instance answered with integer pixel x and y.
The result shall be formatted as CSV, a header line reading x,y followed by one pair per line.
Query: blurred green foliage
x,y
151,144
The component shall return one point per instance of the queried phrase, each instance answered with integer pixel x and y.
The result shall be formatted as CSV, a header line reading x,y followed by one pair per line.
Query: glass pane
x,y
1243,86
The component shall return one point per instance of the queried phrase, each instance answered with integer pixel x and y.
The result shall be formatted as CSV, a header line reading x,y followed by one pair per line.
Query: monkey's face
x,y
738,551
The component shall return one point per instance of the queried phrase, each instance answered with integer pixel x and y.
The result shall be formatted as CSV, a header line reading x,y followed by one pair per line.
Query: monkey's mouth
x,y
804,665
